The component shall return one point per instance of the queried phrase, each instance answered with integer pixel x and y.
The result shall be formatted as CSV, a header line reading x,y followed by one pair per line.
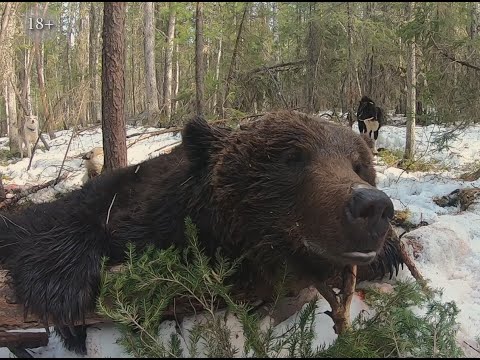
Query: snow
x,y
446,250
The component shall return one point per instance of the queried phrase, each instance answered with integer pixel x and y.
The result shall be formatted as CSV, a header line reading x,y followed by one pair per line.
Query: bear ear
x,y
200,139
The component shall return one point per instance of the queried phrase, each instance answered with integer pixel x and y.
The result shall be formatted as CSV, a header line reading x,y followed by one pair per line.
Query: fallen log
x,y
12,315
24,340
462,197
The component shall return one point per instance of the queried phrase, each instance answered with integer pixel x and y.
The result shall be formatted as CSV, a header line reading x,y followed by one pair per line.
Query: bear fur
x,y
273,191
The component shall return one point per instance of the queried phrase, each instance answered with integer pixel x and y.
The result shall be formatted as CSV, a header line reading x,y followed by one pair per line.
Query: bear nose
x,y
370,204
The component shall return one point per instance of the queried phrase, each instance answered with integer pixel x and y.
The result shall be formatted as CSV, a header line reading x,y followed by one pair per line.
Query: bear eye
x,y
293,157
357,168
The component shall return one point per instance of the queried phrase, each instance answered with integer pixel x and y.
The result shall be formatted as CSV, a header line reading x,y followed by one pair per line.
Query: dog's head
x,y
31,123
92,154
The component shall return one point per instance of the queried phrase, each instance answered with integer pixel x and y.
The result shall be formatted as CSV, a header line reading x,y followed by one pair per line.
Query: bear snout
x,y
370,203
367,213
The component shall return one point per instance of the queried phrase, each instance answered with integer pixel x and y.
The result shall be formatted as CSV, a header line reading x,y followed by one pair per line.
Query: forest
x,y
254,57
122,79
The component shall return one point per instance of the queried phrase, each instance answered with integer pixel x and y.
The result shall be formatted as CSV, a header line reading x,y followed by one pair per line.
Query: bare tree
x,y
8,11
351,67
167,84
177,77
217,75
95,109
313,52
475,19
199,65
40,75
159,54
234,60
7,75
411,90
11,108
149,46
113,86
27,91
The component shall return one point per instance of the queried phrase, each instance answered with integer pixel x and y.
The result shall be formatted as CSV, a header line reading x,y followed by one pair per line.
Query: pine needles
x,y
138,296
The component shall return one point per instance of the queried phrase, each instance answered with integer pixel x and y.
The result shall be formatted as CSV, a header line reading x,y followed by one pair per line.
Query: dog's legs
x,y
375,137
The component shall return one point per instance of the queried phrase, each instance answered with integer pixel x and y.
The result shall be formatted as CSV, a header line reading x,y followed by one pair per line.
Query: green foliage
x,y
398,329
137,296
6,156
394,158
391,157
150,282
273,33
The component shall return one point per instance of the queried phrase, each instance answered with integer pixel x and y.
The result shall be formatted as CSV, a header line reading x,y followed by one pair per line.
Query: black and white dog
x,y
370,119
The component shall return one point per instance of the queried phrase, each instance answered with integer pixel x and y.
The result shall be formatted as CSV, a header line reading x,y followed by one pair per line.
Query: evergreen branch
x,y
150,281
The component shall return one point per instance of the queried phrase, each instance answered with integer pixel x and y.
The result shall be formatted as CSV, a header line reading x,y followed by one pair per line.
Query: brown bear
x,y
288,189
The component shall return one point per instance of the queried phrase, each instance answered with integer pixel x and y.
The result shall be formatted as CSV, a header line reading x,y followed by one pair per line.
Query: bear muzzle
x,y
367,219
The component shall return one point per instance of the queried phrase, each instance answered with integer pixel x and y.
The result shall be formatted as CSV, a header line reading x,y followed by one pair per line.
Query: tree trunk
x,y
43,91
8,11
113,86
27,89
311,57
475,19
167,83
199,65
177,78
83,67
41,77
7,30
132,69
351,68
4,127
95,109
8,75
217,77
226,98
276,35
159,54
11,107
149,46
411,93
370,78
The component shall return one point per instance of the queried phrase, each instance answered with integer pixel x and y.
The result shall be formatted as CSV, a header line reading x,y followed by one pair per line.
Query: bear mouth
x,y
345,258
359,257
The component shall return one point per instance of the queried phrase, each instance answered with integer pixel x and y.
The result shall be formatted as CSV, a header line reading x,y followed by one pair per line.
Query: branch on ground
x,y
5,204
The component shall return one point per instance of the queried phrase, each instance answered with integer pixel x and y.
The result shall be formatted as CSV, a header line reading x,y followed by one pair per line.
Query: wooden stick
x,y
411,266
20,353
350,280
341,303
9,202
